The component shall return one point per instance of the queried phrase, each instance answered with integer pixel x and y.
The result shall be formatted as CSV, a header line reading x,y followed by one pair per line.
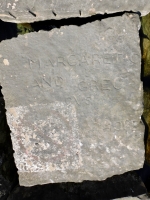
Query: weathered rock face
x,y
73,99
36,10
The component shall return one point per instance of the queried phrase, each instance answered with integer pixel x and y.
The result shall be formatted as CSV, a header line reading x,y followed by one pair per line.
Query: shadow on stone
x,y
8,171
78,21
144,173
128,184
146,130
7,30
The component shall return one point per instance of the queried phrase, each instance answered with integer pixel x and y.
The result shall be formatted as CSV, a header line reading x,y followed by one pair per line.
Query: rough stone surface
x,y
36,10
74,100
128,184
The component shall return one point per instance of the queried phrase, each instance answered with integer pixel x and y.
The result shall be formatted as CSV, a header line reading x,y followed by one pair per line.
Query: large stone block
x,y
74,101
35,10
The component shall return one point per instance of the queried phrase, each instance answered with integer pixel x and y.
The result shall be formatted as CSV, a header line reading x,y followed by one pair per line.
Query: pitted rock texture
x,y
74,100
36,10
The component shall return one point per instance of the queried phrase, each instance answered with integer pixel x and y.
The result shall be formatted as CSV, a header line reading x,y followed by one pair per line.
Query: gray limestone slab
x,y
74,101
36,10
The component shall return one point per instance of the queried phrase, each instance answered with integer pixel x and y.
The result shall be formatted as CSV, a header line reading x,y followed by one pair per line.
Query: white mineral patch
x,y
6,62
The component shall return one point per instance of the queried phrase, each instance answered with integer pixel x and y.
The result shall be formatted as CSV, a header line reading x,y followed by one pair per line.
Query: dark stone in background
x,y
5,188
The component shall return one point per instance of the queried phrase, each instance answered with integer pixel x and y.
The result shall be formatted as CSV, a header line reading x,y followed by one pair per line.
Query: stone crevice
x,y
12,30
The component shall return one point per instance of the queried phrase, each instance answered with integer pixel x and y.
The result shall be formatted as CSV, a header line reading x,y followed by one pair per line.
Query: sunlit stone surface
x,y
35,10
74,100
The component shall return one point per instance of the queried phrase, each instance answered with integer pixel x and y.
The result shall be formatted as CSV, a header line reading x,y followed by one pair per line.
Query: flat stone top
x,y
73,99
36,10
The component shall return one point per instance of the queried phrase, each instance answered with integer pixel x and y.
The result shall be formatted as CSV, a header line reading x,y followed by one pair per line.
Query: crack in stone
x,y
48,25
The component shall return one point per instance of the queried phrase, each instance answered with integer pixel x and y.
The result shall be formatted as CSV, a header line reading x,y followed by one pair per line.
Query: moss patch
x,y
146,25
24,28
